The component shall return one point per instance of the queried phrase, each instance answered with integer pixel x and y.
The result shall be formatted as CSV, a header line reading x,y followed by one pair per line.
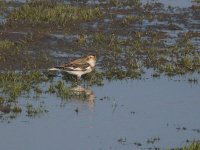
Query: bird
x,y
78,66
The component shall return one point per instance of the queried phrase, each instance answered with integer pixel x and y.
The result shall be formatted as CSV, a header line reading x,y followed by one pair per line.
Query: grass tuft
x,y
55,15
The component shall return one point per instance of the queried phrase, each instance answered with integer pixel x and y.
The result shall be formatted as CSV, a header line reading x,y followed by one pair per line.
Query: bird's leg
x,y
83,82
78,79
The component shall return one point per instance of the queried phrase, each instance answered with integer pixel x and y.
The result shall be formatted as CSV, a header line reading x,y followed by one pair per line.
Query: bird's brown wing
x,y
76,67
80,61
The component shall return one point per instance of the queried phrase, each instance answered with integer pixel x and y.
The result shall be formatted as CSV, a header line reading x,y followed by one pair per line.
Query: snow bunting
x,y
78,67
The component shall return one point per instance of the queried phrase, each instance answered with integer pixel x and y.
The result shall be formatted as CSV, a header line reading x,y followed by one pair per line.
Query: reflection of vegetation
x,y
66,93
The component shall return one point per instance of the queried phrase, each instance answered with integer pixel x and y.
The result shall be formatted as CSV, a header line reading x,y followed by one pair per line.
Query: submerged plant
x,y
34,111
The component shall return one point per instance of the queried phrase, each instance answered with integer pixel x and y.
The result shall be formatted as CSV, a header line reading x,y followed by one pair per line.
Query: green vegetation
x,y
8,49
34,111
121,56
57,15
197,1
193,146
14,55
13,84
2,6
126,57
127,37
66,93
6,44
153,140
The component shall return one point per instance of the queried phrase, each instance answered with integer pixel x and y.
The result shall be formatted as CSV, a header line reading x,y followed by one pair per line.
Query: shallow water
x,y
132,110
176,3
122,114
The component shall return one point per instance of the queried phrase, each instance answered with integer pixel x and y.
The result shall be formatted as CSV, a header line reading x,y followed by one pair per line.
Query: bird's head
x,y
91,59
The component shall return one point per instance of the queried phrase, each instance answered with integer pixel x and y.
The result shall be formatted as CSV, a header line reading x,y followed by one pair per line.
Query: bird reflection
x,y
80,90
85,94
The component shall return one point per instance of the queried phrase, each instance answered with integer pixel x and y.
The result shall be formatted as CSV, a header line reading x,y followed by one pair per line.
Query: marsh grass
x,y
8,49
14,55
94,78
6,44
65,92
2,6
14,84
129,19
116,3
195,145
53,15
121,57
197,1
153,140
33,111
127,57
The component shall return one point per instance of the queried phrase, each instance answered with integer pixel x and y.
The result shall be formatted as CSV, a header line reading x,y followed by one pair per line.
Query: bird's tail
x,y
55,68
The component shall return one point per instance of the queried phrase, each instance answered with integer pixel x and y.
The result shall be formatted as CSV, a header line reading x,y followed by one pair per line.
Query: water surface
x,y
122,114
132,110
